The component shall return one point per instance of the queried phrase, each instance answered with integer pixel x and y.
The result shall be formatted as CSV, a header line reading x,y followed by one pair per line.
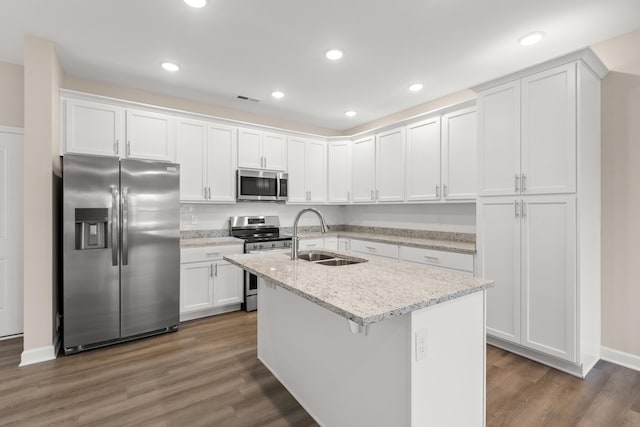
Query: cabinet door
x,y
308,244
221,161
498,222
191,149
296,187
196,286
549,131
459,160
315,171
249,149
499,140
93,128
331,243
423,160
549,275
274,152
390,166
364,170
150,136
227,284
339,172
343,244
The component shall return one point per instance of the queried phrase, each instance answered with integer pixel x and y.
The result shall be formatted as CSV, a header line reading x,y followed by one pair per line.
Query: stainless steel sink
x,y
339,261
314,256
328,258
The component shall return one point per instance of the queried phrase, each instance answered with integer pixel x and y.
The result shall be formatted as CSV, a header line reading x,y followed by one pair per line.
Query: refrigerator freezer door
x,y
91,288
150,270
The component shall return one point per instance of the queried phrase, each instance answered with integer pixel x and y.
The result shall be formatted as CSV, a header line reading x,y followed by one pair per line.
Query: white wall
x,y
437,217
216,217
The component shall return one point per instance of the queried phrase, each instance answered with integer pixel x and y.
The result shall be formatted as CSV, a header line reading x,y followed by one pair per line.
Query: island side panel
x,y
340,378
448,367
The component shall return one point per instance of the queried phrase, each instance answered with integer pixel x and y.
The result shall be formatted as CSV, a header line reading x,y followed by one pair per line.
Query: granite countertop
x,y
417,242
210,241
364,293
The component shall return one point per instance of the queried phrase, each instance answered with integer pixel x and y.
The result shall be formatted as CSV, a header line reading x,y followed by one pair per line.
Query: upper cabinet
x,y
93,128
150,136
390,165
261,150
339,172
364,170
459,135
307,171
527,135
207,157
423,160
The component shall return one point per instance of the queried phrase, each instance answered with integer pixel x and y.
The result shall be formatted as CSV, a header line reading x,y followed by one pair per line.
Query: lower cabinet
x,y
309,244
442,260
375,249
331,243
208,284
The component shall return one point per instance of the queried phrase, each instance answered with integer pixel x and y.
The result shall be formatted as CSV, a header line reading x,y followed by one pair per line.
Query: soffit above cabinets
x,y
255,47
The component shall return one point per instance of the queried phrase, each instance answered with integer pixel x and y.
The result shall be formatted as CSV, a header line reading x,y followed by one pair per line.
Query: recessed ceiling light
x,y
334,54
277,94
416,87
350,113
196,3
531,38
170,66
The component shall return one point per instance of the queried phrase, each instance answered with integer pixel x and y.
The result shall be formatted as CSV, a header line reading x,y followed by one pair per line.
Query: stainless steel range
x,y
260,234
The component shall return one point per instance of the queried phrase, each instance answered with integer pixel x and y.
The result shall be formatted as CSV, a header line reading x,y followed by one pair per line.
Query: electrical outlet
x,y
421,344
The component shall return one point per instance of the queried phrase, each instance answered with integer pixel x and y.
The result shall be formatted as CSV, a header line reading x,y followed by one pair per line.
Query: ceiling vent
x,y
247,98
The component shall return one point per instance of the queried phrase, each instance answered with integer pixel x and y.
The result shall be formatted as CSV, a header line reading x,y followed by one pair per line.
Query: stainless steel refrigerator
x,y
121,250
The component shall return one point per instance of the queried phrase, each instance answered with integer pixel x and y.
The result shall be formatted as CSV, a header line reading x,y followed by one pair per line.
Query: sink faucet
x,y
294,241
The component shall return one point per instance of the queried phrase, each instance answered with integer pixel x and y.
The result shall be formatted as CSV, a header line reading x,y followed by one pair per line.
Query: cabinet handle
x,y
265,162
213,253
445,190
128,148
432,258
371,248
524,183
437,190
377,194
515,206
372,195
216,271
348,195
210,270
312,246
209,193
524,209
204,189
517,188
309,195
115,147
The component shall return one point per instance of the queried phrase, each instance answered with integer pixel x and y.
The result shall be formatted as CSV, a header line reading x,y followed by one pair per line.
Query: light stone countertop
x,y
417,242
365,293
210,241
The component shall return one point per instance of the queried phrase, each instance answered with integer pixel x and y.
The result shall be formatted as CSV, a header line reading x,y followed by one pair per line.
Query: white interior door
x,y
499,260
549,275
11,232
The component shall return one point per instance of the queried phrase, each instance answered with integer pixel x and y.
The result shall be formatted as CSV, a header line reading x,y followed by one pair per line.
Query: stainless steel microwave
x,y
261,185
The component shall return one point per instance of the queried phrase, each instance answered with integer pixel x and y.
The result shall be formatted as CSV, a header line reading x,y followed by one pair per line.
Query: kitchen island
x,y
377,343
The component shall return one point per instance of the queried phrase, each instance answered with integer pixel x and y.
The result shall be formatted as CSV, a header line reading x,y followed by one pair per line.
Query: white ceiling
x,y
252,47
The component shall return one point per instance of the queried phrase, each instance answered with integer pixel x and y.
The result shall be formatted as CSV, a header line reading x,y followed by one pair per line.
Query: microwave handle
x,y
278,187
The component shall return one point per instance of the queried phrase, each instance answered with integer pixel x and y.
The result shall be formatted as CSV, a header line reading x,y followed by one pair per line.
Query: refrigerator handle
x,y
115,213
125,226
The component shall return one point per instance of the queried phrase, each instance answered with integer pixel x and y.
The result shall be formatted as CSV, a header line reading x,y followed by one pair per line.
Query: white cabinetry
x,y
375,249
208,284
307,171
93,128
459,134
539,236
527,135
339,172
390,166
461,263
344,244
423,160
150,136
331,243
261,150
207,157
308,244
364,170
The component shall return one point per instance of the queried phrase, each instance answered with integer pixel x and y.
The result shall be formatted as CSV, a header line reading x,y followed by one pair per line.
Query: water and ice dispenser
x,y
91,228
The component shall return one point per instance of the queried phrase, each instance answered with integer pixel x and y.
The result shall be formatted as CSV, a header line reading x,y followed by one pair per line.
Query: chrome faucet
x,y
294,241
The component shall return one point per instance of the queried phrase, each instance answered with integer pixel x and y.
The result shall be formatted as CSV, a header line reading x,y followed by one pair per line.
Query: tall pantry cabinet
x,y
538,211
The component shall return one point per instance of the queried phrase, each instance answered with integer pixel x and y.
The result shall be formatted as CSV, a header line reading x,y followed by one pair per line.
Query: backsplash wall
x,y
458,217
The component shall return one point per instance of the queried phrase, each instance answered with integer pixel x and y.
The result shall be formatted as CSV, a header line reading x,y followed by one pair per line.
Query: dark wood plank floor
x,y
207,374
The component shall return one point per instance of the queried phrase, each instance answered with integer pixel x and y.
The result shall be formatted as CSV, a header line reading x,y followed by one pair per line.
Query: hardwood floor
x,y
207,374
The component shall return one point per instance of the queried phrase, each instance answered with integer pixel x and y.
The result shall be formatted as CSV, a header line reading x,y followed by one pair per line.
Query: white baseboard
x,y
621,358
37,355
10,337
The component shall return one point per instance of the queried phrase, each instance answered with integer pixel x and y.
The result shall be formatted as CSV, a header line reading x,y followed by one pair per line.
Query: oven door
x,y
257,185
251,282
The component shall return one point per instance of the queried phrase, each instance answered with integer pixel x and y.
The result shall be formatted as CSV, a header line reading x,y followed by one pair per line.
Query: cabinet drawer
x,y
209,253
375,248
331,243
442,259
306,244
